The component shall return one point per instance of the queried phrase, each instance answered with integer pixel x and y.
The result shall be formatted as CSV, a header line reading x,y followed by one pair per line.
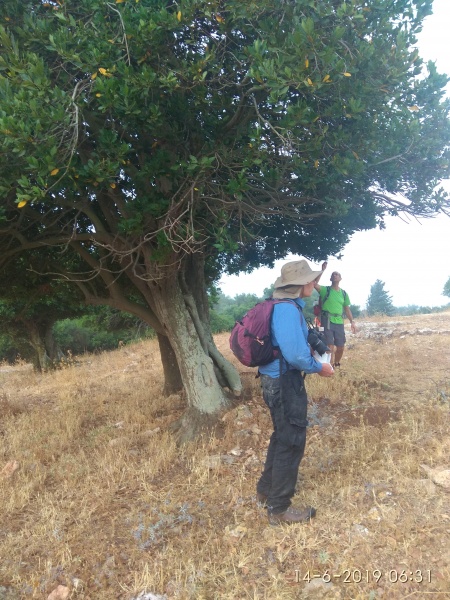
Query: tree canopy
x,y
156,144
379,301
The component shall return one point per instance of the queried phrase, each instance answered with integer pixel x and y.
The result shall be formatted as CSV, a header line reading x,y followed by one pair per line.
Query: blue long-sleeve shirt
x,y
289,333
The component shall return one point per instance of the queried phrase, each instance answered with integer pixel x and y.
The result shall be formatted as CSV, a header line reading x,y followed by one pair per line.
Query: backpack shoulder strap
x,y
327,295
286,301
344,294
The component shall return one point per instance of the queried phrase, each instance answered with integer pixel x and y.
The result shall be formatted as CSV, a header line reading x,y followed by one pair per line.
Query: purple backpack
x,y
251,339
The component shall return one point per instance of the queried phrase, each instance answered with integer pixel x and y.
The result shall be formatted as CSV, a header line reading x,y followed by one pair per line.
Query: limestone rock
x,y
9,469
438,475
59,593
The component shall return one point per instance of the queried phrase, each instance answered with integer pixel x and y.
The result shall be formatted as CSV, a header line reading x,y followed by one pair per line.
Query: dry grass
x,y
104,503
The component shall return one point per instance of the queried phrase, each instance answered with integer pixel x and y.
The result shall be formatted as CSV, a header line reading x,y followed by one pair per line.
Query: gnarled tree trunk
x,y
196,300
41,360
204,395
176,306
172,376
46,353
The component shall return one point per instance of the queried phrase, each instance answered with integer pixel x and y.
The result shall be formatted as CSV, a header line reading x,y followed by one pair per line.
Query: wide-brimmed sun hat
x,y
297,272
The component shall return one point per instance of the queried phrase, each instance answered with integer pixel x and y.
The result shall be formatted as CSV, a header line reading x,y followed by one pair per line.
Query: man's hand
x,y
324,265
327,370
353,327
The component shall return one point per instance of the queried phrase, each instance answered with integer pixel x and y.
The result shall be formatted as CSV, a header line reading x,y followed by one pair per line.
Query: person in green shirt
x,y
335,303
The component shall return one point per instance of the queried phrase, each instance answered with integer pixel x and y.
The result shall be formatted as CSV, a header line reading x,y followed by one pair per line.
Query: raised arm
x,y
316,282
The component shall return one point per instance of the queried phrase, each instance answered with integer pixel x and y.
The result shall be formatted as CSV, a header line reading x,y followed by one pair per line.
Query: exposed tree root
x,y
193,424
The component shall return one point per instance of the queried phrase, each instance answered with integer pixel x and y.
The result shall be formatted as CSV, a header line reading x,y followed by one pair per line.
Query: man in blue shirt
x,y
284,392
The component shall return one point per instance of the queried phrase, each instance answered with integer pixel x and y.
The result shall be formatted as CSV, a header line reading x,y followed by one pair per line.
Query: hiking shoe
x,y
261,499
292,515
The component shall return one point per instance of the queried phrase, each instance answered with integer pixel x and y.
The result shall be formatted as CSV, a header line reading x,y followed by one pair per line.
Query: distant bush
x,y
356,310
420,310
102,329
220,322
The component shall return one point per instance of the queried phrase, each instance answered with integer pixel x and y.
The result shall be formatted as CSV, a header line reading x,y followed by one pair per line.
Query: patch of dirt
x,y
324,413
375,416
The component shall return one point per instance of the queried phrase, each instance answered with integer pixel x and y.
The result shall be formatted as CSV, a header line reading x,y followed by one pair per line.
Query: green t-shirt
x,y
335,303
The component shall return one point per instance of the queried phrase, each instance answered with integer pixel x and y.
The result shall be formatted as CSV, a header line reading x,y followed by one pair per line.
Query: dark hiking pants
x,y
288,409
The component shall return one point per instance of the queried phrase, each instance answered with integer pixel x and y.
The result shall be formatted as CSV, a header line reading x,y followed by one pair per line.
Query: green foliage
x,y
220,322
356,310
34,303
413,309
446,291
268,291
9,351
101,329
31,301
226,311
379,302
309,305
253,130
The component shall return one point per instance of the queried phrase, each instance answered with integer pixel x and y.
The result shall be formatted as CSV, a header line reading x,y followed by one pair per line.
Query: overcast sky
x,y
412,258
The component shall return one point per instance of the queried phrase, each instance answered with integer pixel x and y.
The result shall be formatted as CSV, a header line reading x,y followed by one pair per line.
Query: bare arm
x,y
348,312
316,281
